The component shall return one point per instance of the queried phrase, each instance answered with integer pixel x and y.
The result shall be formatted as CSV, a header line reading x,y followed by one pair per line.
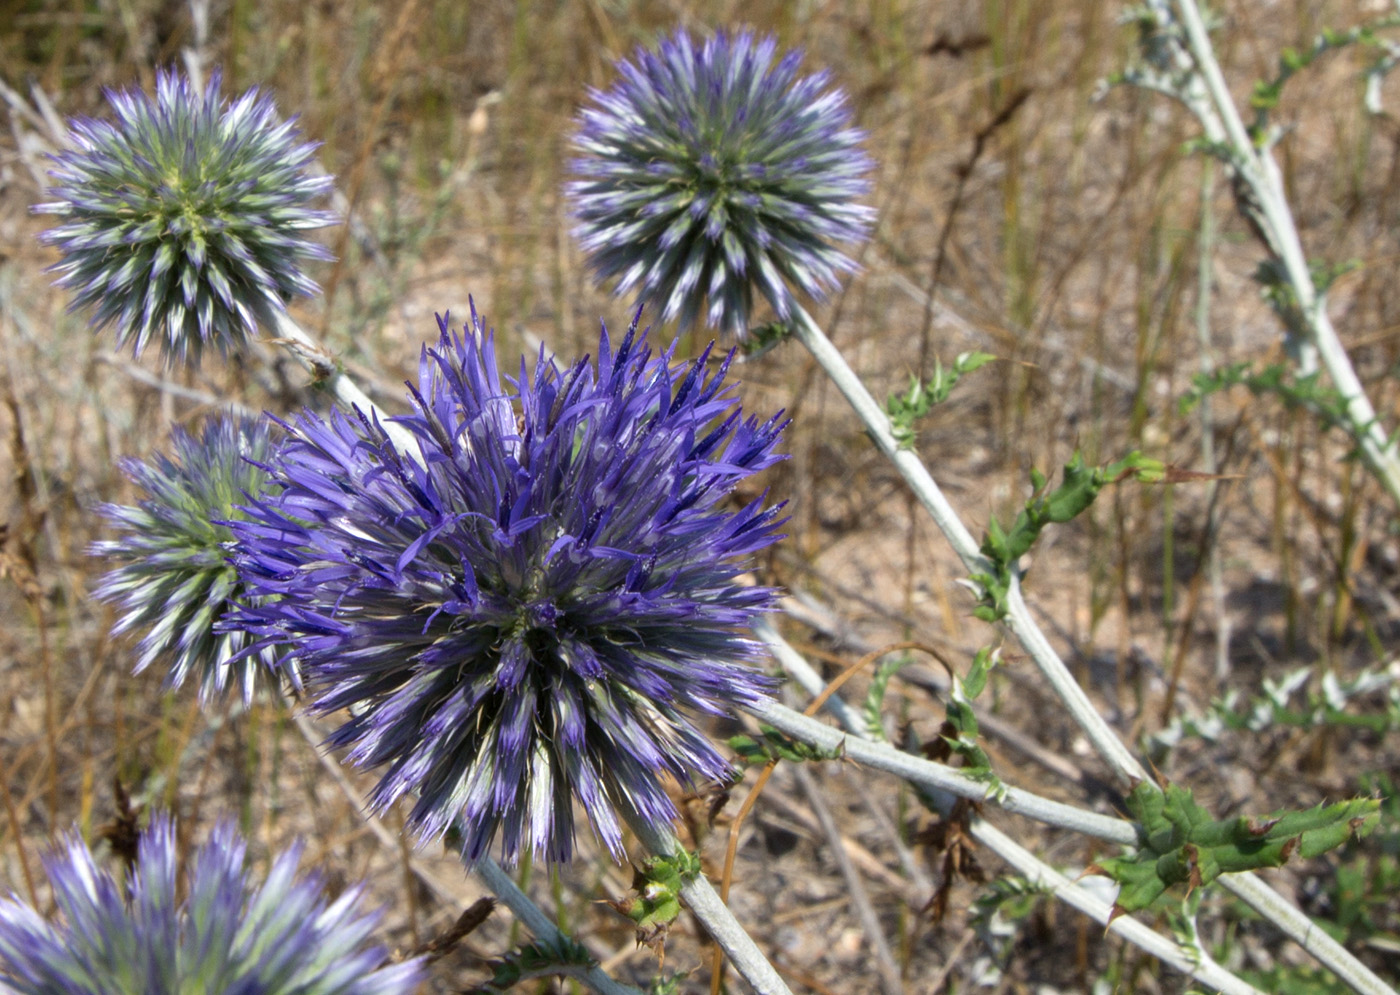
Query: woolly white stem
x,y
1257,169
1197,964
319,361
542,926
940,778
1018,617
702,900
1036,871
1274,908
1244,885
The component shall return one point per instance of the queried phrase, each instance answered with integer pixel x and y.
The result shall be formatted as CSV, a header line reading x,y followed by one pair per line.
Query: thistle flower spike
x,y
183,219
174,583
217,930
710,169
521,615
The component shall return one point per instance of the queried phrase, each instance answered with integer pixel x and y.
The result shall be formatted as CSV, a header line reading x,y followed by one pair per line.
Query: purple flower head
x,y
519,614
174,582
708,170
183,219
217,930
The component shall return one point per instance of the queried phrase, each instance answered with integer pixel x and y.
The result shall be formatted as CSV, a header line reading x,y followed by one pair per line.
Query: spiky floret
x,y
183,219
174,582
709,169
214,929
519,614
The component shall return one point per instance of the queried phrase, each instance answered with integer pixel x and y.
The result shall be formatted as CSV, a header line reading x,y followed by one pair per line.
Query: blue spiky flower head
x,y
183,219
709,169
218,930
173,581
519,614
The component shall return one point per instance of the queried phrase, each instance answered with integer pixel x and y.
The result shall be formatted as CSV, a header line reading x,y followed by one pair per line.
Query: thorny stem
x,y
1018,617
1193,963
1246,885
702,900
1254,166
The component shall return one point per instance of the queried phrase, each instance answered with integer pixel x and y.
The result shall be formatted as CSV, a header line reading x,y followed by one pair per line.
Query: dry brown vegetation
x,y
1018,215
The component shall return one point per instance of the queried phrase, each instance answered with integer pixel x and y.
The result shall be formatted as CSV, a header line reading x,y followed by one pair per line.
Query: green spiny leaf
x,y
764,338
1080,486
542,958
658,884
1276,380
1181,844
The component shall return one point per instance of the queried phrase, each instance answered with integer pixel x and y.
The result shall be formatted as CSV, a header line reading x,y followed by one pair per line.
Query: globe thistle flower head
x,y
182,220
218,930
174,582
520,614
708,170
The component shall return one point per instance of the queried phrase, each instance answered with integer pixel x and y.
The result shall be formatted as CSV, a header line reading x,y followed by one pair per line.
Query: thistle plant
x,y
519,613
183,219
709,169
216,930
516,597
174,581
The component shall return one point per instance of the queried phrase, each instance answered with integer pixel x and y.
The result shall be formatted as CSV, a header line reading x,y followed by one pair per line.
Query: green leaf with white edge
x,y
1180,844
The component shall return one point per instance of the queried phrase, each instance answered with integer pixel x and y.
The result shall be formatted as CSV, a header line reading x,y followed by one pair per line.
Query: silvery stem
x,y
542,926
1257,169
939,777
1246,886
1018,617
702,899
319,361
1030,866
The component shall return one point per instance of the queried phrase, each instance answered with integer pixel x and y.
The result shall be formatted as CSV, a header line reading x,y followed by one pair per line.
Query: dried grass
x,y
1064,242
